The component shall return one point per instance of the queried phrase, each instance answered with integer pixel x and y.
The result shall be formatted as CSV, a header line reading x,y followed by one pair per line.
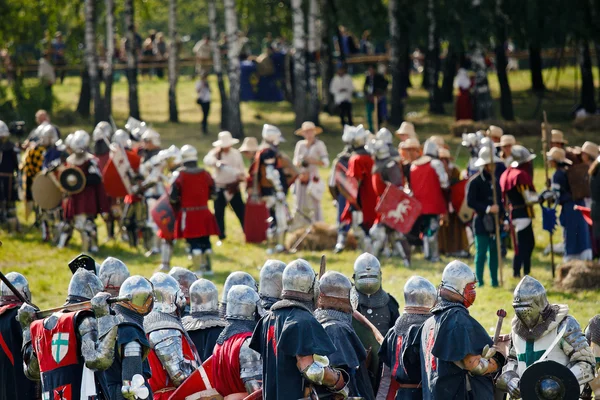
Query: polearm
x,y
496,215
84,305
545,141
12,288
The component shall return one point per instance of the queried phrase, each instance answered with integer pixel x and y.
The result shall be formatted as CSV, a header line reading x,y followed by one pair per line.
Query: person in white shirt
x,y
229,171
342,89
203,100
310,154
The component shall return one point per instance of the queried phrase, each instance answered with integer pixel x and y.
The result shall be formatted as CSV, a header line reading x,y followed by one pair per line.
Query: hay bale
x,y
579,275
321,237
517,129
587,123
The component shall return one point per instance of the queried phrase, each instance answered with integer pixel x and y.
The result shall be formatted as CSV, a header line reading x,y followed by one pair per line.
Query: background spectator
x,y
58,55
160,48
203,99
203,53
342,88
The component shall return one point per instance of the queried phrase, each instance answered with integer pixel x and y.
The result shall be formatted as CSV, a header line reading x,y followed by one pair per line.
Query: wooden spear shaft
x,y
496,215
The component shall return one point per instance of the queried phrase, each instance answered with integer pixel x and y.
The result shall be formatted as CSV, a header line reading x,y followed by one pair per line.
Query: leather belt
x,y
409,385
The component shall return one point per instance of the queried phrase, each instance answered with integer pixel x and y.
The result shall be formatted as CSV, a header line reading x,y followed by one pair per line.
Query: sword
x,y
84,305
501,315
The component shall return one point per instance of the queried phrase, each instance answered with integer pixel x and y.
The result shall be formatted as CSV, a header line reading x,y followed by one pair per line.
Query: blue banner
x,y
254,87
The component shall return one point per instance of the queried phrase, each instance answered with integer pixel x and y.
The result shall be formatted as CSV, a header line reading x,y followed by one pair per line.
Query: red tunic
x,y
464,106
91,201
194,219
160,382
360,167
134,161
426,187
226,365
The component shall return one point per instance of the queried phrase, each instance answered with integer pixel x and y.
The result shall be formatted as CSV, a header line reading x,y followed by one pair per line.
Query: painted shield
x,y
60,346
458,198
549,380
255,221
117,171
164,216
198,385
398,210
72,179
348,186
45,191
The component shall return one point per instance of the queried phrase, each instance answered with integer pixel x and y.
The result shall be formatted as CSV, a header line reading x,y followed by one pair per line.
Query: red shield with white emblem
x,y
164,217
458,198
198,385
116,174
347,185
398,210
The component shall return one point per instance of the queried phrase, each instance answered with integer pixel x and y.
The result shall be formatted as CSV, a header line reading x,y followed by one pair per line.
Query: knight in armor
x,y
592,334
189,194
419,297
360,212
15,384
53,157
65,349
272,185
235,278
340,162
539,327
334,313
173,356
429,182
456,358
83,207
113,272
472,142
9,166
101,149
185,278
387,171
386,137
132,346
293,345
31,165
520,196
270,285
238,367
204,325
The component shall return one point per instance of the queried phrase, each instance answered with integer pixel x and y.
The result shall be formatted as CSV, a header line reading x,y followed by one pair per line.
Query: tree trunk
x,y
312,108
535,66
407,60
217,66
91,59
299,62
338,33
130,48
85,95
398,62
506,104
233,57
433,61
173,72
326,60
449,74
588,101
110,51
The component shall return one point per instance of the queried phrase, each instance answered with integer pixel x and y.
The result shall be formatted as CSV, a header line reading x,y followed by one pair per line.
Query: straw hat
x,y
444,153
507,140
495,131
486,156
249,144
438,140
558,137
410,143
225,140
558,155
591,149
309,126
407,128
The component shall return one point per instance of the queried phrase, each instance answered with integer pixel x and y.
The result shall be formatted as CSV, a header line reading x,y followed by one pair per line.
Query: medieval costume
x,y
464,104
9,166
339,166
592,334
270,283
539,326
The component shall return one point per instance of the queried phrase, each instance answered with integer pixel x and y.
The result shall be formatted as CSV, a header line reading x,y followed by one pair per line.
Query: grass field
x,y
46,267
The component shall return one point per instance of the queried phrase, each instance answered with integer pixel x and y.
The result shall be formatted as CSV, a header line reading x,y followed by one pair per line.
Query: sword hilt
x,y
501,315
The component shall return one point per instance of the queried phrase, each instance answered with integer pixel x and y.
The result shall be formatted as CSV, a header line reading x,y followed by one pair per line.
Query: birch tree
x,y
131,50
233,57
217,65
110,51
173,72
91,58
396,61
313,106
299,62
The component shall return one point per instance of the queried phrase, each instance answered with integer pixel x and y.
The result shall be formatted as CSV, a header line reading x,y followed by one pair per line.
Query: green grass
x,y
46,267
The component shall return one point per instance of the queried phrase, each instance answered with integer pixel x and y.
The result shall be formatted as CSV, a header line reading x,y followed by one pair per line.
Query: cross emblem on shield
x,y
60,346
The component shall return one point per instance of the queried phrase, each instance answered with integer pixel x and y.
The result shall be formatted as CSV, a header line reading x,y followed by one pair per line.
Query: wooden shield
x,y
198,385
348,186
398,210
45,191
72,179
255,221
164,216
458,198
116,172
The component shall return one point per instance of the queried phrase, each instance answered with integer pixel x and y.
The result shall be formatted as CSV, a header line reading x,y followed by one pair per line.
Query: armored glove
x,y
100,304
135,389
513,388
484,363
26,315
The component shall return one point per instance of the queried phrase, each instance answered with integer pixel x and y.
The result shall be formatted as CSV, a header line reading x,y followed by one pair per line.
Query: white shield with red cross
x,y
60,346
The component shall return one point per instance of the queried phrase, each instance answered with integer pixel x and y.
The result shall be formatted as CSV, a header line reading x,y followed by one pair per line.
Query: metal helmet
x,y
520,155
419,292
348,134
529,301
271,134
381,150
359,137
102,131
69,140
168,296
204,297
188,153
430,148
80,141
237,278
185,278
84,285
47,134
456,276
121,137
113,272
299,281
243,303
4,131
385,135
367,274
271,275
150,135
172,156
335,284
20,283
142,294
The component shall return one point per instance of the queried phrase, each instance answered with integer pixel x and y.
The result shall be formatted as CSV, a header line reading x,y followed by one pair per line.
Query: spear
x,y
496,215
545,141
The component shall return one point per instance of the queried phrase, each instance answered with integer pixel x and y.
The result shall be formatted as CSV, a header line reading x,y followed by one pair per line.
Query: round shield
x,y
72,179
549,380
45,192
